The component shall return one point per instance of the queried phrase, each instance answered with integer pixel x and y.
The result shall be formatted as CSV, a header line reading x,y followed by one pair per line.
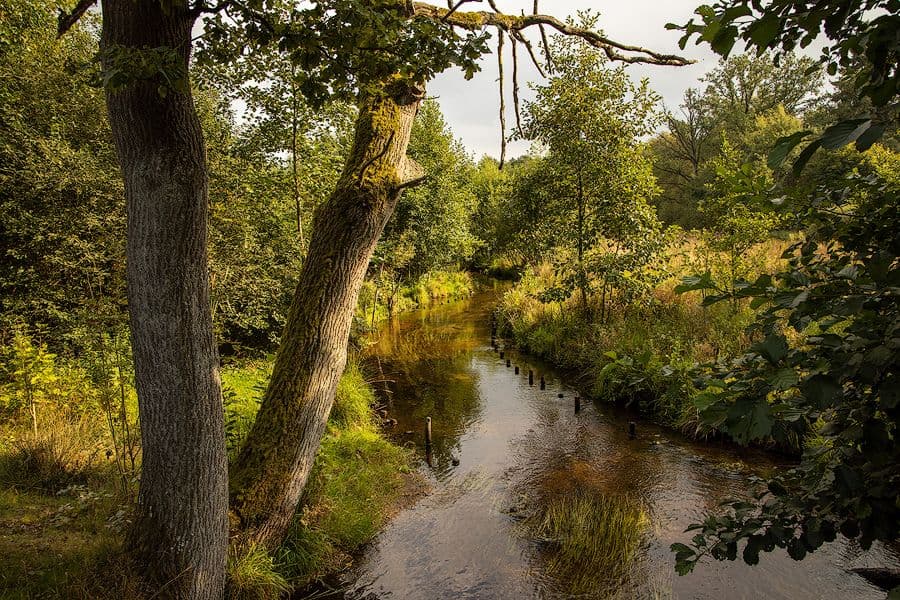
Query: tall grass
x,y
252,576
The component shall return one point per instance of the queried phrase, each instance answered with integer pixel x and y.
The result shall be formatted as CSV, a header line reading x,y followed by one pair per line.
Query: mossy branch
x,y
477,20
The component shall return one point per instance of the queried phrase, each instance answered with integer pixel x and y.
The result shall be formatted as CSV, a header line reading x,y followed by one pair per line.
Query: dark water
x,y
516,446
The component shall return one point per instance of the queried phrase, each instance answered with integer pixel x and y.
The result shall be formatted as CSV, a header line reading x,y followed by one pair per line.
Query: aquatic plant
x,y
590,539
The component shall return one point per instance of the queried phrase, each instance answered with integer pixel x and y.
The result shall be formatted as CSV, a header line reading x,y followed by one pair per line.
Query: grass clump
x,y
591,540
252,575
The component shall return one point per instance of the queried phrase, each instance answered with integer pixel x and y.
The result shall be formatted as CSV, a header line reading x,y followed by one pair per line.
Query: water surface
x,y
503,448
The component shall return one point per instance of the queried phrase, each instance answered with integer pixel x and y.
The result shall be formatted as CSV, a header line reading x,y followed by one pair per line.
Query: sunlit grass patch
x,y
253,575
590,540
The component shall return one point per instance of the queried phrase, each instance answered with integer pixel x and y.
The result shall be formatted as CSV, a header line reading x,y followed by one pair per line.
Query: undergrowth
x,y
639,354
380,300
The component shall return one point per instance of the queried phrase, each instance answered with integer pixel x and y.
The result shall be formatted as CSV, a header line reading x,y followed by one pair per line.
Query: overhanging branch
x,y
477,20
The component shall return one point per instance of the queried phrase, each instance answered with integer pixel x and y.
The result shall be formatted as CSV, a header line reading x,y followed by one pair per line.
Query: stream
x,y
503,448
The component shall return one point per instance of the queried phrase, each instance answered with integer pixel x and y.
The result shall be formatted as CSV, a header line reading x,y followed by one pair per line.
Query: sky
x,y
471,108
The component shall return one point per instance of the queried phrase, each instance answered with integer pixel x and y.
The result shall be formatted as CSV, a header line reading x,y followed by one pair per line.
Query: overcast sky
x,y
472,107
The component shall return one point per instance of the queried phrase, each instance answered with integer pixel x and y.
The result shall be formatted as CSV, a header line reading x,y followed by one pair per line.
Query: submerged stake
x,y
501,354
507,363
632,429
543,383
530,377
427,433
577,405
517,369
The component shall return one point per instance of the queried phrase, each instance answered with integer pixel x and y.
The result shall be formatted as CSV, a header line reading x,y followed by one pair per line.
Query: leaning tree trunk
x,y
179,537
274,463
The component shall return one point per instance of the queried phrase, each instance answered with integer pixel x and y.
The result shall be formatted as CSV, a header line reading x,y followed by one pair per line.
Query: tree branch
x,y
500,36
477,20
65,21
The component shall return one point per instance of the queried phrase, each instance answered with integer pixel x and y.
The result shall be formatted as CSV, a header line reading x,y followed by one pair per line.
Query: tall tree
x,y
752,85
180,533
435,216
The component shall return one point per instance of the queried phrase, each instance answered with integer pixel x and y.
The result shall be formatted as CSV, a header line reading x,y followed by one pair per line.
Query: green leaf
x,y
751,550
796,549
869,137
843,132
773,348
693,283
820,389
763,31
784,146
784,378
804,156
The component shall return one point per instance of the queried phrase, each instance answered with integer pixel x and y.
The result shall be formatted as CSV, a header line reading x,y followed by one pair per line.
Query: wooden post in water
x,y
427,434
530,377
507,363
517,369
501,354
632,430
577,404
543,383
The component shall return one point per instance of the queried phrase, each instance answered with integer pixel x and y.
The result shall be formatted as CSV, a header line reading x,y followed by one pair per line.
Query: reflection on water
x,y
504,451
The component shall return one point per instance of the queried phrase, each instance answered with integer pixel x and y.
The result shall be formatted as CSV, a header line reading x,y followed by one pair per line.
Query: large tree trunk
x,y
274,464
180,534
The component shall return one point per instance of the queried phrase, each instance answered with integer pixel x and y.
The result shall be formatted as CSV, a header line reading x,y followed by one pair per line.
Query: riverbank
x,y
383,297
360,479
640,356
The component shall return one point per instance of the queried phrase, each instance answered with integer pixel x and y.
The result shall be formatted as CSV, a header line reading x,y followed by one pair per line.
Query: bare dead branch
x,y
65,21
515,82
544,42
500,36
524,40
616,51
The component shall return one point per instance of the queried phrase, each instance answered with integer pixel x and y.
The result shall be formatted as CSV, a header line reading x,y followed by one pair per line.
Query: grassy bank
x,y
69,465
358,480
379,299
639,354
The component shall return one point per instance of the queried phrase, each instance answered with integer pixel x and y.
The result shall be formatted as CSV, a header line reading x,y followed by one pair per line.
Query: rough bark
x,y
179,537
274,463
